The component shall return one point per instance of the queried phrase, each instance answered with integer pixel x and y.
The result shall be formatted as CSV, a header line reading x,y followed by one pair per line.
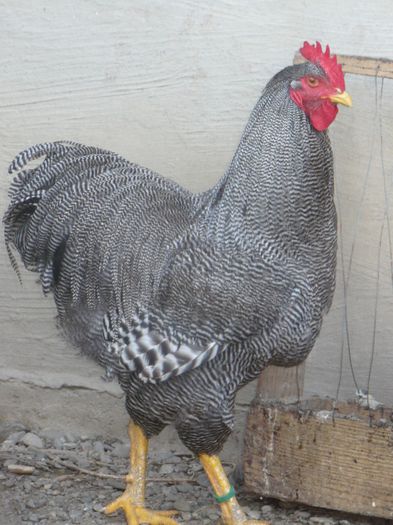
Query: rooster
x,y
187,297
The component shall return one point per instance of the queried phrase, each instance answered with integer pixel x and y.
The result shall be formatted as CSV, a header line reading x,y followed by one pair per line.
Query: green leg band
x,y
226,497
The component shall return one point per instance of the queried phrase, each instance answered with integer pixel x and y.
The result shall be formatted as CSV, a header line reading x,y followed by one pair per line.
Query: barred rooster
x,y
187,297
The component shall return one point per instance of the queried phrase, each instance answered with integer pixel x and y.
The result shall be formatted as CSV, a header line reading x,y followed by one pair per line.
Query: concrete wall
x,y
170,85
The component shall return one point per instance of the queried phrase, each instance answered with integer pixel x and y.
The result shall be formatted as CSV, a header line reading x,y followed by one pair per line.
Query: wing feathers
x,y
153,355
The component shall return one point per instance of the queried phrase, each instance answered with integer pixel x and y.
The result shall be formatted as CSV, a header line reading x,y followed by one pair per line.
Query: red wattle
x,y
323,115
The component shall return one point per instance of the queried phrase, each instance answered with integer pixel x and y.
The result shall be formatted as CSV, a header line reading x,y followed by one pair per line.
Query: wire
x,y
385,188
346,278
386,219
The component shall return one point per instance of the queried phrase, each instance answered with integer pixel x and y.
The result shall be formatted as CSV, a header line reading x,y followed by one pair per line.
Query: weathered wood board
x,y
283,383
300,454
356,65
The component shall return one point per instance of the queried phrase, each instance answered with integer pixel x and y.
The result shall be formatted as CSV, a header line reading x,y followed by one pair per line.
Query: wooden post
x,y
281,383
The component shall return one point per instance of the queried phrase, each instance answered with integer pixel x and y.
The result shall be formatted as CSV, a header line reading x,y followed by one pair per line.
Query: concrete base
x,y
84,410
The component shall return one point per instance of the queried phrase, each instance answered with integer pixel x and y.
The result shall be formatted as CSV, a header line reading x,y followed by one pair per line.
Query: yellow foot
x,y
136,515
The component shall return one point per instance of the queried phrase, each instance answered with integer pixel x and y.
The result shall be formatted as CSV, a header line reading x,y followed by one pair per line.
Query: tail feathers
x,y
44,201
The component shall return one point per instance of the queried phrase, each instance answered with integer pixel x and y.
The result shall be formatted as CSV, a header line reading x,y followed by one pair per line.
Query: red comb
x,y
328,62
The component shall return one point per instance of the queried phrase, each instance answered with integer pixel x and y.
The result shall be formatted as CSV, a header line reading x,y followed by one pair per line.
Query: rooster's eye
x,y
312,81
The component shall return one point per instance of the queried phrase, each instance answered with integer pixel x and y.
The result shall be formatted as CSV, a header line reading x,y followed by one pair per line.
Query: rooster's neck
x,y
280,181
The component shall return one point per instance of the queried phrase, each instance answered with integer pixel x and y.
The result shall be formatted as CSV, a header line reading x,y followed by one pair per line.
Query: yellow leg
x,y
132,501
231,513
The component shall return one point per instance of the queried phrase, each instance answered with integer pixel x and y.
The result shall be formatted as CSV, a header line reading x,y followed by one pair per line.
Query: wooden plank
x,y
301,455
285,384
357,65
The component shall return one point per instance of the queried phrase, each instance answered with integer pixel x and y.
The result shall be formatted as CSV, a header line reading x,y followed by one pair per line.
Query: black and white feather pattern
x,y
144,348
185,297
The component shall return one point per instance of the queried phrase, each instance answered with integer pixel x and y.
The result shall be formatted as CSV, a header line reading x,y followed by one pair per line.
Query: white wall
x,y
170,85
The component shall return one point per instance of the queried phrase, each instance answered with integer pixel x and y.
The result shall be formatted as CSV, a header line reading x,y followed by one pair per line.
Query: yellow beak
x,y
341,98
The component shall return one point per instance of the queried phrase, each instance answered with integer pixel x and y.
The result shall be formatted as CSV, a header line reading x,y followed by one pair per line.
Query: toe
x,y
112,507
155,517
167,512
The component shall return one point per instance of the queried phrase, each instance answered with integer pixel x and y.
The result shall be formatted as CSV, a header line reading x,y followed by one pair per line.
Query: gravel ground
x,y
65,486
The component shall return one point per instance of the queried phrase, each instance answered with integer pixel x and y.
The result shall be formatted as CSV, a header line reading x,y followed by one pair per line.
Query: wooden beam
x,y
302,455
356,65
280,383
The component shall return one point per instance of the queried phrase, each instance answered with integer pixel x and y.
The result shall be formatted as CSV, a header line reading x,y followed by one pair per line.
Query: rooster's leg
x,y
231,513
132,501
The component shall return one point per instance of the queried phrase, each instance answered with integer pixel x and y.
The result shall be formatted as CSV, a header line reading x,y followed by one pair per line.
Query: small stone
x,y
165,469
98,507
16,437
75,516
32,440
210,512
322,520
58,442
182,505
6,446
9,427
175,459
117,484
69,446
185,488
202,480
266,509
121,450
98,447
9,483
254,514
82,462
70,437
20,469
344,522
187,516
35,503
27,486
162,456
302,514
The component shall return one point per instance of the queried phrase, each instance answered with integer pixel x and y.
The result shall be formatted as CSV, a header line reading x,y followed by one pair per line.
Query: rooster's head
x,y
318,94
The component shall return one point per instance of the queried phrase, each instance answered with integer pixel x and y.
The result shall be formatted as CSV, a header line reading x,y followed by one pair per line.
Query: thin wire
x,y
386,219
375,315
345,322
385,188
346,278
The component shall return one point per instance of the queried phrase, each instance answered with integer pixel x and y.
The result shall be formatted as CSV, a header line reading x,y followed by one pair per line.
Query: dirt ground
x,y
73,477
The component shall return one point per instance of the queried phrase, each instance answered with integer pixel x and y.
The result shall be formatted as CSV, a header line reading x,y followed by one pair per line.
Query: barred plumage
x,y
186,297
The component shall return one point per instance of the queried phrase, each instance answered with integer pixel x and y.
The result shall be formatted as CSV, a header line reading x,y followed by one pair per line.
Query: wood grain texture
x,y
280,383
171,86
365,66
300,455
